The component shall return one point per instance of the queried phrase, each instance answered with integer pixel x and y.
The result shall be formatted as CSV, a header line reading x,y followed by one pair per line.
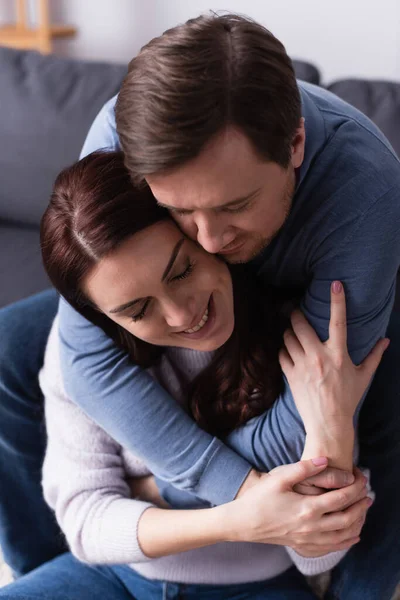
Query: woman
x,y
123,263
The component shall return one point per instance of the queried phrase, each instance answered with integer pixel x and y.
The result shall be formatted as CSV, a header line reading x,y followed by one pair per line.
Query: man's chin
x,y
247,253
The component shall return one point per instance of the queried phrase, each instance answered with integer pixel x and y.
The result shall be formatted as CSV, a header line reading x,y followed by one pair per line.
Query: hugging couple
x,y
226,253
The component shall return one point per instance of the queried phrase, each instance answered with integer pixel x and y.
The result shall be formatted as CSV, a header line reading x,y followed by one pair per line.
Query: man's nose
x,y
212,233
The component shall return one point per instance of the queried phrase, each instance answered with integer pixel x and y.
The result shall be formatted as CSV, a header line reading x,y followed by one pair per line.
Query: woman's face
x,y
165,289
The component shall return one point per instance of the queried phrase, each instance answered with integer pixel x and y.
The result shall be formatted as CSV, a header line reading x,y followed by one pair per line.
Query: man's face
x,y
228,199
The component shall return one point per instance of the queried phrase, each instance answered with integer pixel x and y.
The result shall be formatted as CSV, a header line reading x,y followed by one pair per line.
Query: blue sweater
x,y
344,224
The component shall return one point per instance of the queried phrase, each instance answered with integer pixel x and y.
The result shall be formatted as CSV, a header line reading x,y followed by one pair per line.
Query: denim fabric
x,y
29,534
64,578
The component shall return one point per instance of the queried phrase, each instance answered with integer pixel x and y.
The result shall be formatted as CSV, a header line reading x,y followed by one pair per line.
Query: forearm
x,y
275,438
162,532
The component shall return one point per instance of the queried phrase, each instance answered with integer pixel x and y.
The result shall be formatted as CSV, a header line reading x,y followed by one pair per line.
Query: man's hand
x,y
327,387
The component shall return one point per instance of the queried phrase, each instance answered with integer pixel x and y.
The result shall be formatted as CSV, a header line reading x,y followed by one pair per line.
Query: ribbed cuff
x,y
315,566
223,476
117,541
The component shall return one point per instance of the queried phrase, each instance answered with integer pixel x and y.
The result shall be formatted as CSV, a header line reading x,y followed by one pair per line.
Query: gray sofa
x,y
47,105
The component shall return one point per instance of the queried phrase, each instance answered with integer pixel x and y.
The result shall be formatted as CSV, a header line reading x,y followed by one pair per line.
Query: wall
x,y
344,38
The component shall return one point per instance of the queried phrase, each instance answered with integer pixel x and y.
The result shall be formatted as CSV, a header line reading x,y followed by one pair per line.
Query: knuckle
x,y
331,538
330,479
339,360
340,537
307,512
307,530
298,541
343,499
340,323
347,521
356,529
318,363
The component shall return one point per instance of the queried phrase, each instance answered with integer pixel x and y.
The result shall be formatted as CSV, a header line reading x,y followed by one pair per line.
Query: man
x,y
290,180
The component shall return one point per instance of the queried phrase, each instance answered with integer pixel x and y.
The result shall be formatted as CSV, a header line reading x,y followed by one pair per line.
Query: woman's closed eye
x,y
187,271
142,313
183,275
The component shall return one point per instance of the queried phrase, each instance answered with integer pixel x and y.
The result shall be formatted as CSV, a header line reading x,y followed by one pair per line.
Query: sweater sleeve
x,y
131,406
84,478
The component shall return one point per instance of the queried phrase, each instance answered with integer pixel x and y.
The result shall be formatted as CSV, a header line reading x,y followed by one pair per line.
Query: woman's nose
x,y
179,314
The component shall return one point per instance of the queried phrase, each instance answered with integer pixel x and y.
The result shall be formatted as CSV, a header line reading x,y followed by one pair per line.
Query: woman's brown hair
x,y
93,209
198,78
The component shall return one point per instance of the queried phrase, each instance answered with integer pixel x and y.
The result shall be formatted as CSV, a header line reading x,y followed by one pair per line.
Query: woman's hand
x,y
271,512
325,383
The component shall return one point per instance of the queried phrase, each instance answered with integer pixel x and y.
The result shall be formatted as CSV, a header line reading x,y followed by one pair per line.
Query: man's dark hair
x,y
196,79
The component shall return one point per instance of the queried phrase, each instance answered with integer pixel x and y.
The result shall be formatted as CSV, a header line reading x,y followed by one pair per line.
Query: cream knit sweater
x,y
84,481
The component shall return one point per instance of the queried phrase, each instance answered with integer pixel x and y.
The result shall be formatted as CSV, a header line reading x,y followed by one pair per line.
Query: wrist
x,y
252,479
329,427
229,522
233,522
336,443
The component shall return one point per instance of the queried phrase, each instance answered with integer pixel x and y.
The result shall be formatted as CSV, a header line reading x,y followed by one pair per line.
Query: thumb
x,y
290,475
371,362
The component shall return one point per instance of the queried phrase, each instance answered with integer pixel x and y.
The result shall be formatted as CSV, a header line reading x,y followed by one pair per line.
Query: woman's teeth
x,y
200,325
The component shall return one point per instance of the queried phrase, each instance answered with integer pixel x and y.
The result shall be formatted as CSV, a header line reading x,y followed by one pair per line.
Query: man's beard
x,y
261,243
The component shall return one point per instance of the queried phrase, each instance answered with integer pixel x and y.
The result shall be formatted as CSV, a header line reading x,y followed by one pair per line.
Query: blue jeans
x,y
64,578
29,535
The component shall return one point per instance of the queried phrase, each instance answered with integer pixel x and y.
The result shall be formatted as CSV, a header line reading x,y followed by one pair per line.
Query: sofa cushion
x,y
21,270
306,72
379,100
47,105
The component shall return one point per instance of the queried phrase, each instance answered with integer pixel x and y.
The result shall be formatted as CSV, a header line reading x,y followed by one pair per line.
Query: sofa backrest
x,y
306,72
379,100
47,105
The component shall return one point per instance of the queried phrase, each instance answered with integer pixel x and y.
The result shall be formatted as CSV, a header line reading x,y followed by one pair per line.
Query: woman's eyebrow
x,y
172,258
168,268
125,306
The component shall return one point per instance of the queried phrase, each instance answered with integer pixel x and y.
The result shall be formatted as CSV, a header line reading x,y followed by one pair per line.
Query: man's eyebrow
x,y
168,268
226,205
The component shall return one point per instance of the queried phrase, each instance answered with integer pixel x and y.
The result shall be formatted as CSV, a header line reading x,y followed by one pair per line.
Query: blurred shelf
x,y
21,35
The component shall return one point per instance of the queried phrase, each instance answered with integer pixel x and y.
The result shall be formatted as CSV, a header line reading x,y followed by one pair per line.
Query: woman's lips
x,y
207,327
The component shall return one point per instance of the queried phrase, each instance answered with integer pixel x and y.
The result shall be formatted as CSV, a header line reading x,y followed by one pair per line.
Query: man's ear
x,y
298,145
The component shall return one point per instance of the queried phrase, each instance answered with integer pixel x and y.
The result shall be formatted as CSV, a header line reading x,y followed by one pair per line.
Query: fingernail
x,y
349,478
318,462
337,287
370,502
